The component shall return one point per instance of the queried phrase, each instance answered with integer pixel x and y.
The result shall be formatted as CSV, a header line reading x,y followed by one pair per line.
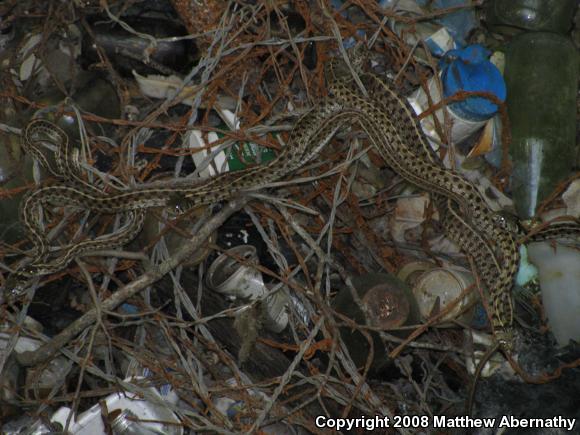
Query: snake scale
x,y
391,127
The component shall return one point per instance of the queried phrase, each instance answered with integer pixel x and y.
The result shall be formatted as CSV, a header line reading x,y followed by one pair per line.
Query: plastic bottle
x,y
542,79
560,289
463,70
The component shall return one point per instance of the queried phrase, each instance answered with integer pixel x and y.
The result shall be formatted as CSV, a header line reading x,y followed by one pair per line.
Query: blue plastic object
x,y
459,23
468,69
130,309
480,319
435,48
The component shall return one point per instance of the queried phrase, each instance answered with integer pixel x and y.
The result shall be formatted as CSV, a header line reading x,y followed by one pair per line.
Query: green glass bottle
x,y
509,17
541,75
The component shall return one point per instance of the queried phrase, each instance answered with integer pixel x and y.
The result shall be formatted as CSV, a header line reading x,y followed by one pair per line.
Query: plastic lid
x,y
468,69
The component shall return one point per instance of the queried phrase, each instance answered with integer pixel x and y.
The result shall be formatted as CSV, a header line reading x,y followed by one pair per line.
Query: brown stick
x,y
47,350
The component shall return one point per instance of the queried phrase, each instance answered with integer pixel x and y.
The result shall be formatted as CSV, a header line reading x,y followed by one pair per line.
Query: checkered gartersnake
x,y
391,127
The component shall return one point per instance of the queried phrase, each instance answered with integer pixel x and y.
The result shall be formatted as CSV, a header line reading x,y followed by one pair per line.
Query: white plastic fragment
x,y
91,422
571,198
560,283
29,59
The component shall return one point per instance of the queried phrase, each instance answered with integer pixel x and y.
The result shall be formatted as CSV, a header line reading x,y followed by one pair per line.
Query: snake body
x,y
393,130
320,123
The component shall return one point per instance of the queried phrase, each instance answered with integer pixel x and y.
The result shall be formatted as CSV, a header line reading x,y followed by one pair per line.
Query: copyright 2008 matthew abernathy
x,y
441,421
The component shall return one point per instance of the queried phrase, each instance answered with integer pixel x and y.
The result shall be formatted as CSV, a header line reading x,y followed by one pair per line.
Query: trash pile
x,y
162,295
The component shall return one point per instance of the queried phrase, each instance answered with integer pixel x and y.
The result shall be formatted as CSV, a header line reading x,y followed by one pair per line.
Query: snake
x,y
317,126
67,168
391,127
66,159
480,232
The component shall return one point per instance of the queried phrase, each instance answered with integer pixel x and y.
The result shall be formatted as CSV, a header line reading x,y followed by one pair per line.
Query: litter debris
x,y
224,216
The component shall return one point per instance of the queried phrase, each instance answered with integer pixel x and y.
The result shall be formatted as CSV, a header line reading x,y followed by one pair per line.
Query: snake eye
x,y
178,209
500,219
507,221
25,272
13,287
177,203
506,345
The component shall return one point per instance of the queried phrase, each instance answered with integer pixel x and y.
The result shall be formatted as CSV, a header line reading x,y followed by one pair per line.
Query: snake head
x,y
507,221
178,203
505,338
359,56
340,74
17,283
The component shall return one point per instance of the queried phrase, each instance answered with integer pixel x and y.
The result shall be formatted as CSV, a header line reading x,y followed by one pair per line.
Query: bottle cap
x,y
468,69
